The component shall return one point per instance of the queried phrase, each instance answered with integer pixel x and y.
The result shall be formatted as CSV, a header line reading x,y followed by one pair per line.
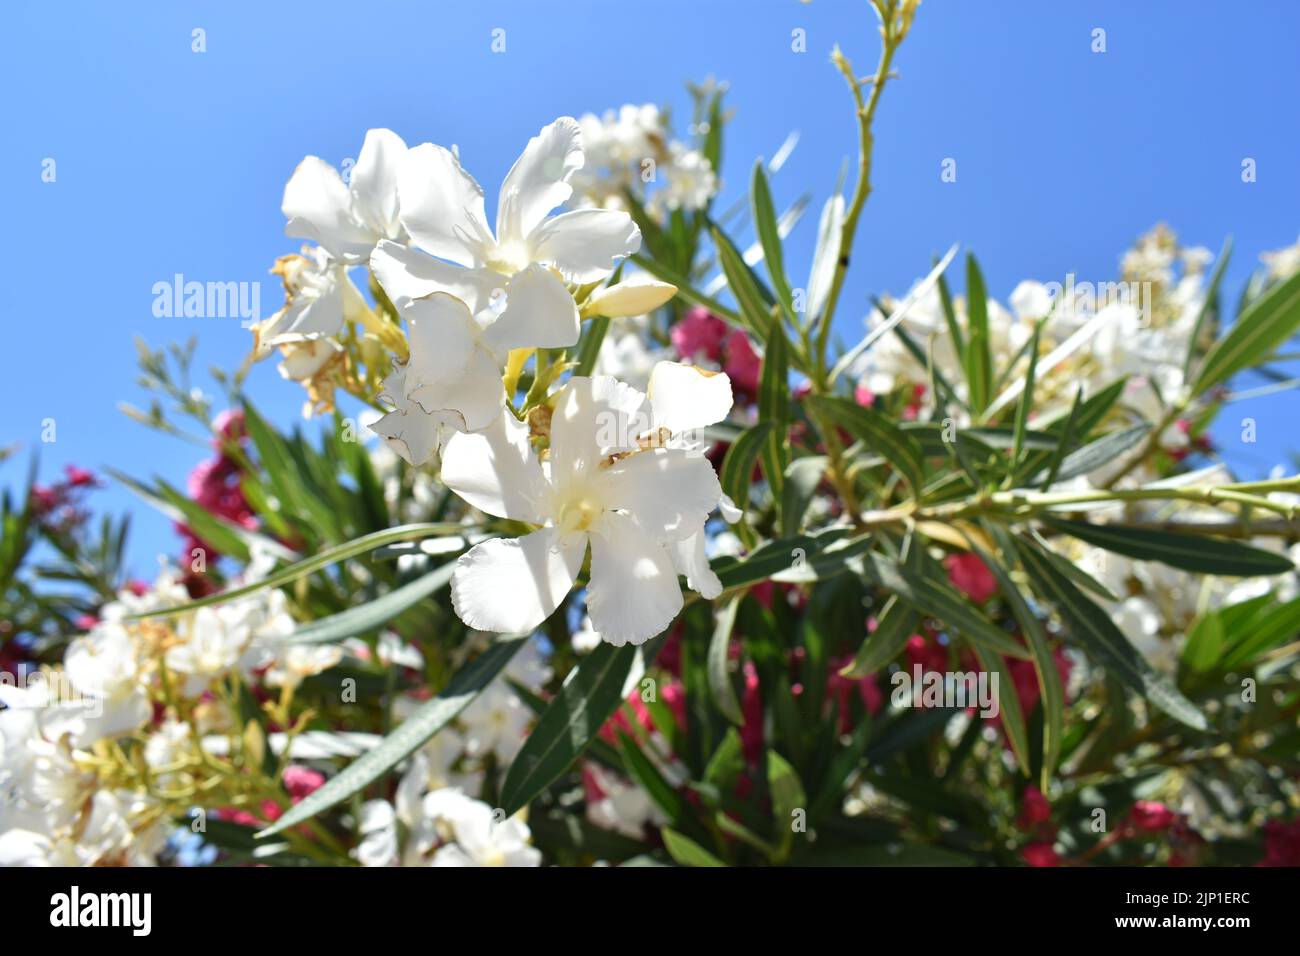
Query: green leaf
x,y
787,798
774,408
426,721
776,557
366,617
754,312
1026,403
1013,720
642,770
1208,307
802,478
930,596
686,851
878,433
979,360
1204,644
894,625
1267,322
1266,630
589,347
770,238
316,562
724,693
1049,678
1202,554
589,696
1093,629
1092,456
738,465
950,318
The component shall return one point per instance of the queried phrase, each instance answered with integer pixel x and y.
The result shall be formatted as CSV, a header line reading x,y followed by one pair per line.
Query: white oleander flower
x,y
104,667
496,722
519,273
295,662
1282,263
214,643
691,183
476,838
318,298
615,478
443,827
348,219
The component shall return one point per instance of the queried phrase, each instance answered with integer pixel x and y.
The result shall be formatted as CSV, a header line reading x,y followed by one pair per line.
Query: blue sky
x,y
173,161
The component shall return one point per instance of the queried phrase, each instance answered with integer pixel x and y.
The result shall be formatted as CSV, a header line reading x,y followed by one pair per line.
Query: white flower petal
x,y
441,204
449,368
593,417
539,313
496,471
539,179
512,585
442,334
686,397
585,244
319,207
409,430
407,274
670,492
636,295
633,594
374,181
476,396
690,560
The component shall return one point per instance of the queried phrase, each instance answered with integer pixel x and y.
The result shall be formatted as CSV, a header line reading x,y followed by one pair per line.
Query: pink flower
x,y
302,781
229,426
930,654
842,689
742,364
751,708
699,335
1152,817
1281,843
1034,808
1040,854
864,396
80,477
970,575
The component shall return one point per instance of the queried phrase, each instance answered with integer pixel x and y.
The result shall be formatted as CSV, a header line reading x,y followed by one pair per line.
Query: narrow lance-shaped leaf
x,y
769,237
773,407
1265,324
979,361
1208,307
1202,554
738,465
406,739
1049,678
894,625
589,696
930,596
802,477
724,693
1093,629
316,562
686,851
754,310
366,617
879,434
